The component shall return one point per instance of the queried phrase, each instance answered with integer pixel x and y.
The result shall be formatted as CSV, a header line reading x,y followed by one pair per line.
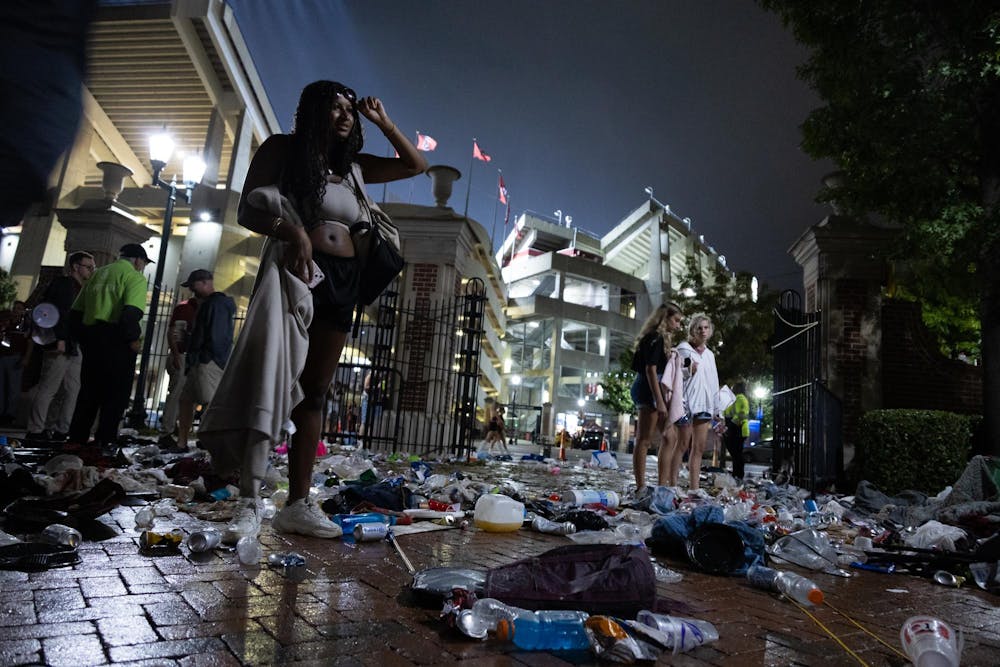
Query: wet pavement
x,y
351,604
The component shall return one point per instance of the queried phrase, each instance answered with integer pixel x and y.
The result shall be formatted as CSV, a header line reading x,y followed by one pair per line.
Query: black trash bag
x,y
613,579
583,519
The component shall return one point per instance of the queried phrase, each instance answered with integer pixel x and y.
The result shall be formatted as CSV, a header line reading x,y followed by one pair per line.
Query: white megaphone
x,y
44,316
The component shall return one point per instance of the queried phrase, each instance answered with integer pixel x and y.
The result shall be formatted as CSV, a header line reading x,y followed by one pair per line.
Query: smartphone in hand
x,y
317,278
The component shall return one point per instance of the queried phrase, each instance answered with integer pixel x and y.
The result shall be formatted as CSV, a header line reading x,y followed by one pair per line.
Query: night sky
x,y
581,104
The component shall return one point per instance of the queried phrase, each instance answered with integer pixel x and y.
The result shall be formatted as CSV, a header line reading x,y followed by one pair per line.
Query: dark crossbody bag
x,y
376,245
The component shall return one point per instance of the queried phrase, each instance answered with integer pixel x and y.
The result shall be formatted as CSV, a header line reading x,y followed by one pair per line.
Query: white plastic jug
x,y
496,513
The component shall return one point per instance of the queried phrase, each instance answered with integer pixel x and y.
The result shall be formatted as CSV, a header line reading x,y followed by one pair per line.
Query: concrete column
x,y
212,153
654,282
239,161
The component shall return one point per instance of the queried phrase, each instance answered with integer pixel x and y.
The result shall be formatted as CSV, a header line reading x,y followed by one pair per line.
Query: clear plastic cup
x,y
683,634
930,642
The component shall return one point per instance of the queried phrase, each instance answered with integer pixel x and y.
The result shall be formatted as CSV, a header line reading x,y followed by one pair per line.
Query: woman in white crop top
x,y
317,166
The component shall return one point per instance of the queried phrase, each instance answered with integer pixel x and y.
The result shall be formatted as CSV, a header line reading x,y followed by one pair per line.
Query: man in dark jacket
x,y
61,358
208,349
105,319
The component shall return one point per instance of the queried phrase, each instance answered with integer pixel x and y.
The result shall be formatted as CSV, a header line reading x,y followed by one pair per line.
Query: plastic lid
x,y
505,629
815,596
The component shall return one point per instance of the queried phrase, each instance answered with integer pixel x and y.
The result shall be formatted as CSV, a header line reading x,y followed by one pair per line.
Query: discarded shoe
x,y
303,518
245,522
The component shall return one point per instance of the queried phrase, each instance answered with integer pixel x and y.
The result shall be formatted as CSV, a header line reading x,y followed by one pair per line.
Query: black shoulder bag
x,y
377,247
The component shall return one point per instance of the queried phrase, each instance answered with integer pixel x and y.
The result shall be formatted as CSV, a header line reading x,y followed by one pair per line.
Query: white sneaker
x,y
245,521
305,518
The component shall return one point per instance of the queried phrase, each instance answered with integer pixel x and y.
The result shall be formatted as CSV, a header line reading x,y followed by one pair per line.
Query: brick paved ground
x,y
351,606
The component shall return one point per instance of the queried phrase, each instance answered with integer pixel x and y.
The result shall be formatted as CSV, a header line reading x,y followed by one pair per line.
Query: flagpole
x,y
493,230
468,186
513,240
385,186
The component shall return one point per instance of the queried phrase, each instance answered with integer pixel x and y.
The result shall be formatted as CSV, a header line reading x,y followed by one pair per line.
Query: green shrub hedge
x,y
924,450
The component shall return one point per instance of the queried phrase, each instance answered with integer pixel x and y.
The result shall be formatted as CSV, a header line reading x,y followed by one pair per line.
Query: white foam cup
x,y
930,642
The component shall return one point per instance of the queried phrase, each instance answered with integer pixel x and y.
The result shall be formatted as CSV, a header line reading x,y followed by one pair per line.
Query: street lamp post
x,y
160,148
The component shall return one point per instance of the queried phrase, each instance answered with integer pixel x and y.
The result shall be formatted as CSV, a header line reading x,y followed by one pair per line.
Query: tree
x,y
616,386
743,327
911,115
8,289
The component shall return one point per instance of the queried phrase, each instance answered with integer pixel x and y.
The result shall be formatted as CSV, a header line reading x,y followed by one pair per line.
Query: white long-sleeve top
x,y
701,388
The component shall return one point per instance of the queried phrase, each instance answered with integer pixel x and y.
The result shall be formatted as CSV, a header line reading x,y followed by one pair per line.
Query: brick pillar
x,y
422,282
844,270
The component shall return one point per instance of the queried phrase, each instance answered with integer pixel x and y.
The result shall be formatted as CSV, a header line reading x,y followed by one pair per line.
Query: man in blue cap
x,y
105,317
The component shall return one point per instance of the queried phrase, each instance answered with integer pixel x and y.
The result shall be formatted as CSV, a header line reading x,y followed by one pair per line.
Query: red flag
x,y
425,142
503,190
479,153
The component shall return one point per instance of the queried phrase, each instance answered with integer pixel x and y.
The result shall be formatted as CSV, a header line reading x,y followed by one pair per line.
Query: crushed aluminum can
x,y
370,532
150,541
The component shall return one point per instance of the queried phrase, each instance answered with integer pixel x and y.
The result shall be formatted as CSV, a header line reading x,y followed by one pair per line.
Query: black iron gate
x,y
807,416
409,382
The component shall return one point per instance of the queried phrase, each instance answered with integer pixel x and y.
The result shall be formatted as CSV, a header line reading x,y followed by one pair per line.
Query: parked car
x,y
592,439
759,453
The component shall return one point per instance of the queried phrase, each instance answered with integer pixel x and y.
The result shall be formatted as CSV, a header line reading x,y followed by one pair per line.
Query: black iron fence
x,y
807,416
408,381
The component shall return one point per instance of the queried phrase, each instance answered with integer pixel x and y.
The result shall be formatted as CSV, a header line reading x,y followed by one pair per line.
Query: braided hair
x,y
315,147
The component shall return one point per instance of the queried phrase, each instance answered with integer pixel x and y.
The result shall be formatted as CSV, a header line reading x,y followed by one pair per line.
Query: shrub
x,y
924,450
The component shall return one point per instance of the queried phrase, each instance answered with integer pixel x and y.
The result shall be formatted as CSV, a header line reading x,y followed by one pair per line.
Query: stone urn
x,y
114,179
442,178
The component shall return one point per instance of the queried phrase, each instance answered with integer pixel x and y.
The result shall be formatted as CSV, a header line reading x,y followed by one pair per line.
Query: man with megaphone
x,y
60,358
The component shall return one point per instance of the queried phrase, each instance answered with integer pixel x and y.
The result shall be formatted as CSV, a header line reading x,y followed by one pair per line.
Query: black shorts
x,y
334,299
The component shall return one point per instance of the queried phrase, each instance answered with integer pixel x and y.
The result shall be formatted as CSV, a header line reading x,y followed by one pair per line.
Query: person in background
x,y
13,347
701,395
649,362
105,319
321,169
672,387
495,430
208,349
61,359
737,428
178,333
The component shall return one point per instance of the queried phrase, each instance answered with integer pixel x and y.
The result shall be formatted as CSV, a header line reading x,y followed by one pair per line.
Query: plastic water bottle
x,y
248,550
762,577
58,533
348,521
490,611
789,584
799,588
543,525
557,630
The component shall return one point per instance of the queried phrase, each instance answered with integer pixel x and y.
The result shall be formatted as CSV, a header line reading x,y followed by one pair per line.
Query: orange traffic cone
x,y
562,451
604,444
